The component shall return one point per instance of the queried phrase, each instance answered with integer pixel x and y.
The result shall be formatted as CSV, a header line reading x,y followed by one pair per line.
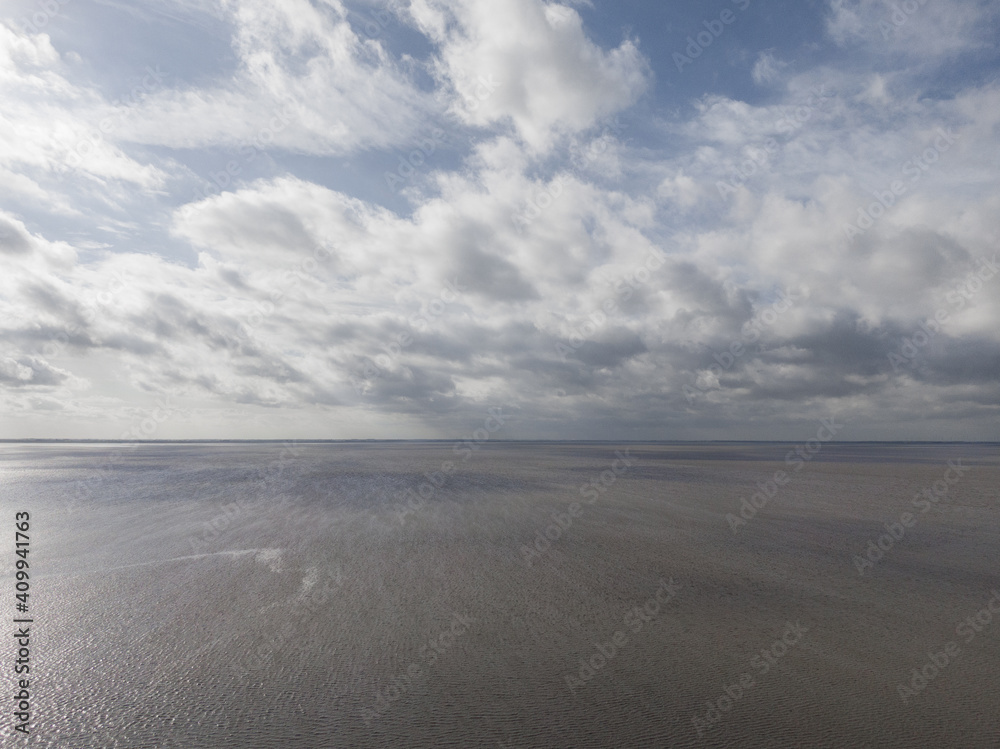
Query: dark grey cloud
x,y
413,390
487,274
13,241
30,372
955,361
613,349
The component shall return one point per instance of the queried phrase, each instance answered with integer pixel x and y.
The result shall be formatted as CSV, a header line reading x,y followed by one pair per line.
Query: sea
x,y
245,595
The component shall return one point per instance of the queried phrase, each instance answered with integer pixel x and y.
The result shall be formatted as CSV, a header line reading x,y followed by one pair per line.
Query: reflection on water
x,y
261,595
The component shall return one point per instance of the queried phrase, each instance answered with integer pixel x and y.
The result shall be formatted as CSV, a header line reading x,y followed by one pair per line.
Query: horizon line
x,y
63,440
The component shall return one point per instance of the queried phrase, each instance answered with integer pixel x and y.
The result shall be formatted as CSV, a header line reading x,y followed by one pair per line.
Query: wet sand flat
x,y
527,595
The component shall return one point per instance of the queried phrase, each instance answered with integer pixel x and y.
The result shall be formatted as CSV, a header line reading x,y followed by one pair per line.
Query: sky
x,y
629,220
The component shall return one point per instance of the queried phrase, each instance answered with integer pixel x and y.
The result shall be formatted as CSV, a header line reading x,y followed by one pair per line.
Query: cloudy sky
x,y
639,219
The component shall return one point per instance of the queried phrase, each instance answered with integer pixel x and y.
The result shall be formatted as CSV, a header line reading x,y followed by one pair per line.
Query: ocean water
x,y
514,595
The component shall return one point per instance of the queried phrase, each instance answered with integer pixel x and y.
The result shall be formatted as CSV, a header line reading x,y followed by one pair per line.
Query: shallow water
x,y
261,595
